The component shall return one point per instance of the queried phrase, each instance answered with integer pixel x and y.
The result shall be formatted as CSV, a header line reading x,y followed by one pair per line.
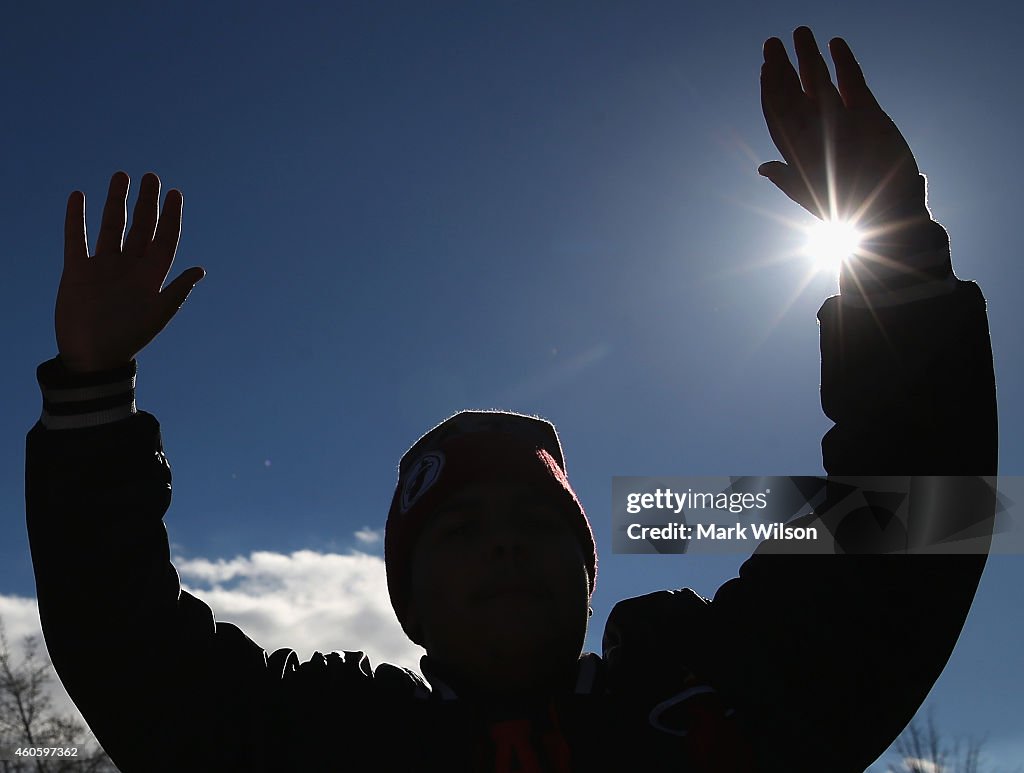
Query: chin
x,y
525,678
528,665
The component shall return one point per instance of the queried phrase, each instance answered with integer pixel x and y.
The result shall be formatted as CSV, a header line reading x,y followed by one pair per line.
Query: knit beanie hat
x,y
470,447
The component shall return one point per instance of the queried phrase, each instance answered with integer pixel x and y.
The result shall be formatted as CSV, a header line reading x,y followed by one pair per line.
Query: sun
x,y
830,242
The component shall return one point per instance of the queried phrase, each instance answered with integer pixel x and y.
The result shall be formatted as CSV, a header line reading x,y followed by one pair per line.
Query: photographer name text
x,y
711,531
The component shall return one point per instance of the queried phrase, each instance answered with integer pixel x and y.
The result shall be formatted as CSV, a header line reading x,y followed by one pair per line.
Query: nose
x,y
506,536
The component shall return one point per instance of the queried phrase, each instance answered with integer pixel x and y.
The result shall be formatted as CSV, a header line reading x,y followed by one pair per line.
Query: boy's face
x,y
500,592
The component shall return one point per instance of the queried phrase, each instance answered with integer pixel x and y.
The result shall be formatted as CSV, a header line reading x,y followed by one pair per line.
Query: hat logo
x,y
420,478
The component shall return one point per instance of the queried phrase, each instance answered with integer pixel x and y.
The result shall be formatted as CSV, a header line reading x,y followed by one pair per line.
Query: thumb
x,y
176,292
791,182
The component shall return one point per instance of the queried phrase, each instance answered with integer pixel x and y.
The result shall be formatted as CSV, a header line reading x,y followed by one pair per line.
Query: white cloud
x,y
369,536
20,616
916,765
306,601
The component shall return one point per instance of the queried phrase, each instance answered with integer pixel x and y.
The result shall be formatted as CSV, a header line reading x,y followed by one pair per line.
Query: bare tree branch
x,y
924,750
29,721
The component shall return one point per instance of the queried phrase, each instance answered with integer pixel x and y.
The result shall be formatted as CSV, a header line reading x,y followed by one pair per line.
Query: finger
x,y
786,108
168,232
76,242
770,169
814,73
792,182
114,216
852,86
144,216
780,86
173,296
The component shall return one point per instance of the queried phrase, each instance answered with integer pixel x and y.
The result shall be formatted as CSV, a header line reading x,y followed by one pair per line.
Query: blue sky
x,y
405,209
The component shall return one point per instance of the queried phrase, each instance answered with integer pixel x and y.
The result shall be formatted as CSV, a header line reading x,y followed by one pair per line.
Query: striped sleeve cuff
x,y
80,400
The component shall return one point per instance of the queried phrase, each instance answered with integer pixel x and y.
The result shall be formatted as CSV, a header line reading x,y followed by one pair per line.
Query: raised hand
x,y
110,305
846,160
844,157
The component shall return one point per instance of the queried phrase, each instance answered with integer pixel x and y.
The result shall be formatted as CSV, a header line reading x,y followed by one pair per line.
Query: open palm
x,y
844,157
110,305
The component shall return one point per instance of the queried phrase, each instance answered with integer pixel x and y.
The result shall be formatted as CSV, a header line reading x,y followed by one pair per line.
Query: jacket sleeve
x,y
827,658
162,685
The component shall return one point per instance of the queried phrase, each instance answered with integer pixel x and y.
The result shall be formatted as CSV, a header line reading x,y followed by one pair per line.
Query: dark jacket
x,y
800,663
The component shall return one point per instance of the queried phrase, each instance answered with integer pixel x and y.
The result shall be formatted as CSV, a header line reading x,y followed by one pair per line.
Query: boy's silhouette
x,y
800,663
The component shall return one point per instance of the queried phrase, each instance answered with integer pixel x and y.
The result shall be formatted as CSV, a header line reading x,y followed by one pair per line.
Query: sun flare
x,y
829,243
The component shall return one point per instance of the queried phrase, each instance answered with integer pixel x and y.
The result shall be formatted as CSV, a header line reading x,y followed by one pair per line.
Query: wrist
x,y
896,257
87,368
898,200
